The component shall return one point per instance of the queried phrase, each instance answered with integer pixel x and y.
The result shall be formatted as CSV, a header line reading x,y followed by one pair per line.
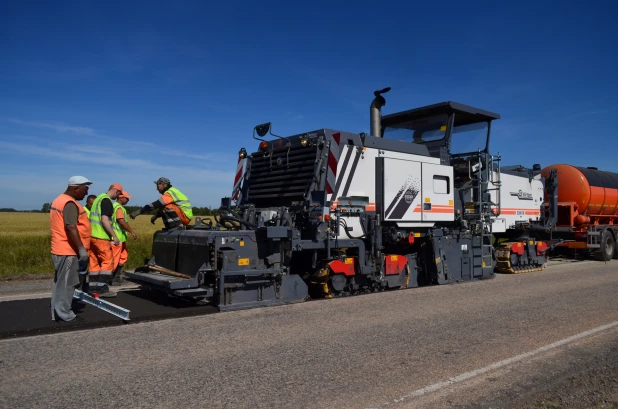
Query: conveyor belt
x,y
33,317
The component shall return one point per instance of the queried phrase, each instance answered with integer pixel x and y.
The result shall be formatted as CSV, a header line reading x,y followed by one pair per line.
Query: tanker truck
x,y
583,203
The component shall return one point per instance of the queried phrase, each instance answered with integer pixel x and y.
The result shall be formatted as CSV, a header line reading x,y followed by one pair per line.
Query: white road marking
x,y
34,296
30,296
496,365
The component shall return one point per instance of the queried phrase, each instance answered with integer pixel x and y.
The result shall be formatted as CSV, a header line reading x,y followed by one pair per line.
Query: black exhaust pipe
x,y
375,122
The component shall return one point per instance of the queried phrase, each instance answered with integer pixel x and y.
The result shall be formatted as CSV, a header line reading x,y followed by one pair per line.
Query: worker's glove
x,y
153,219
135,213
83,256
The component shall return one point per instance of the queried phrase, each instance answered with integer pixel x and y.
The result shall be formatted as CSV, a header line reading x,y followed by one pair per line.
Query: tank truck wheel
x,y
608,247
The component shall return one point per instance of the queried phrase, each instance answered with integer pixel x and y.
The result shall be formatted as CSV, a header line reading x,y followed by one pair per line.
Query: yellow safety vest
x,y
181,201
121,233
98,231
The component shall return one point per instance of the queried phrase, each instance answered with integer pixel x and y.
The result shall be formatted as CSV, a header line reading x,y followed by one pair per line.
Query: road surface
x,y
527,340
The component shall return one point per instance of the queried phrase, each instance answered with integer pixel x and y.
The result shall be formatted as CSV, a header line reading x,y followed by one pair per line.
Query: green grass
x,y
25,244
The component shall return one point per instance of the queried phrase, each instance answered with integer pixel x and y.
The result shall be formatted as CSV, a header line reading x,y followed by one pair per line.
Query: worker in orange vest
x,y
70,241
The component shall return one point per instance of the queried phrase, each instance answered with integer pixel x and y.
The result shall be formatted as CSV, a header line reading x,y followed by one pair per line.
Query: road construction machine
x,y
419,200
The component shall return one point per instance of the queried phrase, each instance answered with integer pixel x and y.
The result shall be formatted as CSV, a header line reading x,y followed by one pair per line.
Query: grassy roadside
x,y
25,245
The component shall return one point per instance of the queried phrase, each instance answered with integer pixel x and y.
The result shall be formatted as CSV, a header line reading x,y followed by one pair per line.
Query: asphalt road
x,y
32,316
514,341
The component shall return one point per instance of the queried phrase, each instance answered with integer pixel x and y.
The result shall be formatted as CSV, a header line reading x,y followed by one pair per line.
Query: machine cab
x,y
458,135
447,129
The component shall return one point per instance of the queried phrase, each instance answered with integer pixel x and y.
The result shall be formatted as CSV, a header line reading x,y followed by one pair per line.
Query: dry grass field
x,y
25,244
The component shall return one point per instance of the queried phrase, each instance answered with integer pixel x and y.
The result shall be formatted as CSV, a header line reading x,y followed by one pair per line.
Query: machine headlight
x,y
304,141
242,153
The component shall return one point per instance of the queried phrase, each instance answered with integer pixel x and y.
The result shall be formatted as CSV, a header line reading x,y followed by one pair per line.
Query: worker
x,y
70,240
173,206
83,272
89,202
121,228
103,237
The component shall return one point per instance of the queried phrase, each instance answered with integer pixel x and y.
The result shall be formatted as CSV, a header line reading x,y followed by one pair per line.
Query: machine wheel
x,y
338,282
608,247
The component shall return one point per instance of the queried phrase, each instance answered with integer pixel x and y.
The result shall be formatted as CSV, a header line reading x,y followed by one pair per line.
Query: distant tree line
x,y
11,210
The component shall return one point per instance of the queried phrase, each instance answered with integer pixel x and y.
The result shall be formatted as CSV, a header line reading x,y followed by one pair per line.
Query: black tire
x,y
608,247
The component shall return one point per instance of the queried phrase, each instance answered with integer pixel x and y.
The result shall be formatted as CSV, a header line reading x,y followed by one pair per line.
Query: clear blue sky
x,y
130,91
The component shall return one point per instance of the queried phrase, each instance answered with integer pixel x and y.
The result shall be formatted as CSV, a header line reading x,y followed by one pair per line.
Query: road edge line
x,y
496,365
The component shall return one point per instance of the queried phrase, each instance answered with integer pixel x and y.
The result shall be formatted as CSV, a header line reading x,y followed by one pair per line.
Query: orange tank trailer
x,y
586,196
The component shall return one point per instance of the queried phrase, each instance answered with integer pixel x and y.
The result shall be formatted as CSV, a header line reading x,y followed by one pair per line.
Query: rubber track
x,y
503,261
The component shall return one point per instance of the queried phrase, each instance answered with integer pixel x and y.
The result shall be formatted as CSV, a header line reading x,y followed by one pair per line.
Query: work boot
x,y
118,279
107,293
83,283
104,291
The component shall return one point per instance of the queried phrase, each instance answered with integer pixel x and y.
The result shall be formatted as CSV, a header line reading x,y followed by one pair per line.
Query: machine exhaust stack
x,y
375,115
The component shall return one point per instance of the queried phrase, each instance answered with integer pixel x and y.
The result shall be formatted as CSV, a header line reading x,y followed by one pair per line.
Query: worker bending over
x,y
121,228
173,206
103,236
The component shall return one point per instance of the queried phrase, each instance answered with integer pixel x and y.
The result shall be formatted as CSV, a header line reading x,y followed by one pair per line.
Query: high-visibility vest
x,y
60,243
84,227
98,231
87,212
181,201
121,233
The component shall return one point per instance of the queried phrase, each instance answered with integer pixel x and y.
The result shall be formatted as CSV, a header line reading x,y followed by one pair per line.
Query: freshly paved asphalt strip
x,y
33,316
356,352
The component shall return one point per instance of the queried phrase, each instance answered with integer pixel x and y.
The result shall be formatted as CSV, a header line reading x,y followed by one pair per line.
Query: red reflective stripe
x,y
337,137
238,176
332,163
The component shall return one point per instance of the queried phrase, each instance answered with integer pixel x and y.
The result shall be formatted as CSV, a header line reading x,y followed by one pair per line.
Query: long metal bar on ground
x,y
103,305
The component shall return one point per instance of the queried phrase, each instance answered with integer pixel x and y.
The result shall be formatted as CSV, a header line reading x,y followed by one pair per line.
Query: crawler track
x,y
32,317
503,261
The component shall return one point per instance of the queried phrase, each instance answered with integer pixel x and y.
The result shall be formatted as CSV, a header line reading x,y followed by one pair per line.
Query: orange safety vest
x,y
60,244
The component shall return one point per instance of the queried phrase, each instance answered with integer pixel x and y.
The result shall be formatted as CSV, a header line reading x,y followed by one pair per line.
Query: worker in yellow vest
x,y
103,236
173,206
121,228
83,269
89,202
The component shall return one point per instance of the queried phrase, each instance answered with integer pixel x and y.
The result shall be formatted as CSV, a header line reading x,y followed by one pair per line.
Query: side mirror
x,y
262,129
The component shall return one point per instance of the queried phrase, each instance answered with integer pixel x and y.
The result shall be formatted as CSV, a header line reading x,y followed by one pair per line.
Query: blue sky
x,y
130,91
